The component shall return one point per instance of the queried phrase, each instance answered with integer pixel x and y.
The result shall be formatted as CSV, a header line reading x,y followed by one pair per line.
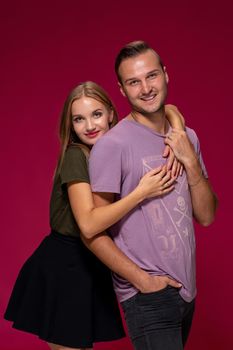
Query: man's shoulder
x,y
116,135
121,127
191,134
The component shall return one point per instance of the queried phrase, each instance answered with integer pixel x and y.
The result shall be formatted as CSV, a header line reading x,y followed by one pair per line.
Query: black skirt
x,y
64,295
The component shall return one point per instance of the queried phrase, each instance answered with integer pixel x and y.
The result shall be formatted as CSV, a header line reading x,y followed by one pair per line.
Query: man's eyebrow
x,y
153,71
130,79
148,73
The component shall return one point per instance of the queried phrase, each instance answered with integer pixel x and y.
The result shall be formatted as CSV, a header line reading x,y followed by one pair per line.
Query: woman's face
x,y
90,119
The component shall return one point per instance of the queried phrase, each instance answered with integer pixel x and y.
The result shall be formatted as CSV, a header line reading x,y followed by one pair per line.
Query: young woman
x,y
63,293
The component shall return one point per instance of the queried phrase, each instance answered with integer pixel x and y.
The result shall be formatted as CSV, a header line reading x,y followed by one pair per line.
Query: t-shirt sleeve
x,y
74,167
105,166
194,139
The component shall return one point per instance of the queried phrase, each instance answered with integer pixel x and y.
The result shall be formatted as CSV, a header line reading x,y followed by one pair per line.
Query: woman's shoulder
x,y
77,150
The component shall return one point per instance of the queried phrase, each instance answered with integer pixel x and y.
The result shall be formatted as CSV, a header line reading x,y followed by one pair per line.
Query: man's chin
x,y
149,111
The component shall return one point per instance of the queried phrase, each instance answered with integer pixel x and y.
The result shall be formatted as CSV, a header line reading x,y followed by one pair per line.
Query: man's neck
x,y
155,121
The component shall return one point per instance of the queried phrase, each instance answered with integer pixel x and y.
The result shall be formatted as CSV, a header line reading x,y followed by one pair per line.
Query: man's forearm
x,y
204,201
106,250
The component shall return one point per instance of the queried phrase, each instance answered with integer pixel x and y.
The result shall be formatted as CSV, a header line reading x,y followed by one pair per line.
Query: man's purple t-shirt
x,y
158,235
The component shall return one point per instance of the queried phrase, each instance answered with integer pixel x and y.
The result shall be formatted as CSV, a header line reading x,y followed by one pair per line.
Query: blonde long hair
x,y
66,132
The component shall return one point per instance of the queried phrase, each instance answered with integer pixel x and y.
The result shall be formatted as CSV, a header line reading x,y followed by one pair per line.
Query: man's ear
x,y
121,89
166,75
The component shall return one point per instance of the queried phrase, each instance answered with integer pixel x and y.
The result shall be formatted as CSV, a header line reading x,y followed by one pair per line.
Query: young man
x,y
158,235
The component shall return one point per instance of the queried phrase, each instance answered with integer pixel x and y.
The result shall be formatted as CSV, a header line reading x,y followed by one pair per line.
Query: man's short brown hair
x,y
132,49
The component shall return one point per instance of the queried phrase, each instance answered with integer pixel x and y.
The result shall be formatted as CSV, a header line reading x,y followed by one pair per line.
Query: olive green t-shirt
x,y
74,168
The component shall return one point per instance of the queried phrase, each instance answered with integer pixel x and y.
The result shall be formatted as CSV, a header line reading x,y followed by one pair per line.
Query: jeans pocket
x,y
152,294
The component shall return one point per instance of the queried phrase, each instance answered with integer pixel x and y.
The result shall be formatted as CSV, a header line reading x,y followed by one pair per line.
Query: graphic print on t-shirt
x,y
170,216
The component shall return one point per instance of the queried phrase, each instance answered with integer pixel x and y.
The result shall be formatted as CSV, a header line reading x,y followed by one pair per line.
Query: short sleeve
x,y
105,166
195,141
74,167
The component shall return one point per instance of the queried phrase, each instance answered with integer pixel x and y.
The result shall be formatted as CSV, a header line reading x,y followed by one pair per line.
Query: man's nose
x,y
146,88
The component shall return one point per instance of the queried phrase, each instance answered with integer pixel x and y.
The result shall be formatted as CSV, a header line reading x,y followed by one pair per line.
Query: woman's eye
x,y
77,119
97,114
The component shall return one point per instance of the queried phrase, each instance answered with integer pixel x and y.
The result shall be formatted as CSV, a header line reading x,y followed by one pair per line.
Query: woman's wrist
x,y
139,194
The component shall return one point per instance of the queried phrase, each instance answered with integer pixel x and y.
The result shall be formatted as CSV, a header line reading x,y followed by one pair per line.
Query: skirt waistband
x,y
65,238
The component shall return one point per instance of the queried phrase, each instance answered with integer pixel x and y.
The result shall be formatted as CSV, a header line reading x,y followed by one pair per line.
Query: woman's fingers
x,y
167,182
170,160
154,171
166,177
166,151
159,181
181,170
167,190
174,167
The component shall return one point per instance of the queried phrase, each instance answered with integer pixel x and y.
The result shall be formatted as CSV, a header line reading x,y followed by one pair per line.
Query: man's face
x,y
144,82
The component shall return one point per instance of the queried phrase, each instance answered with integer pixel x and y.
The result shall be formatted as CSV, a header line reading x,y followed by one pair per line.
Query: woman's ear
x,y
111,115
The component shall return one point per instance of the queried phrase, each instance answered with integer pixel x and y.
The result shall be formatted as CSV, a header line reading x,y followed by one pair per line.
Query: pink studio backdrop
x,y
46,49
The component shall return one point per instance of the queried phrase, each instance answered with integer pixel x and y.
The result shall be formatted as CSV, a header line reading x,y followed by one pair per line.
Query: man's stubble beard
x,y
158,109
146,113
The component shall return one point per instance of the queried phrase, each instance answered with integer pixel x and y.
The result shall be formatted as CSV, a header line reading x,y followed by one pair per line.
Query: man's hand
x,y
204,201
156,283
181,146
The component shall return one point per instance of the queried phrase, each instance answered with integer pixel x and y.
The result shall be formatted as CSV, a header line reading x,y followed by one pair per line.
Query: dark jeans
x,y
159,320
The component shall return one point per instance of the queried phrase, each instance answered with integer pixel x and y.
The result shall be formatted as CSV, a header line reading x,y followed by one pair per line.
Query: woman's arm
x,y
92,220
176,120
107,251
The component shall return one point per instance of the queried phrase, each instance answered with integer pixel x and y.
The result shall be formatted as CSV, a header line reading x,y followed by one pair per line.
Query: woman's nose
x,y
90,125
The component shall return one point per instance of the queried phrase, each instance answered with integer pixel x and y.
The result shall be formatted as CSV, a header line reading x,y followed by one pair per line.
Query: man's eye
x,y
153,75
134,82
